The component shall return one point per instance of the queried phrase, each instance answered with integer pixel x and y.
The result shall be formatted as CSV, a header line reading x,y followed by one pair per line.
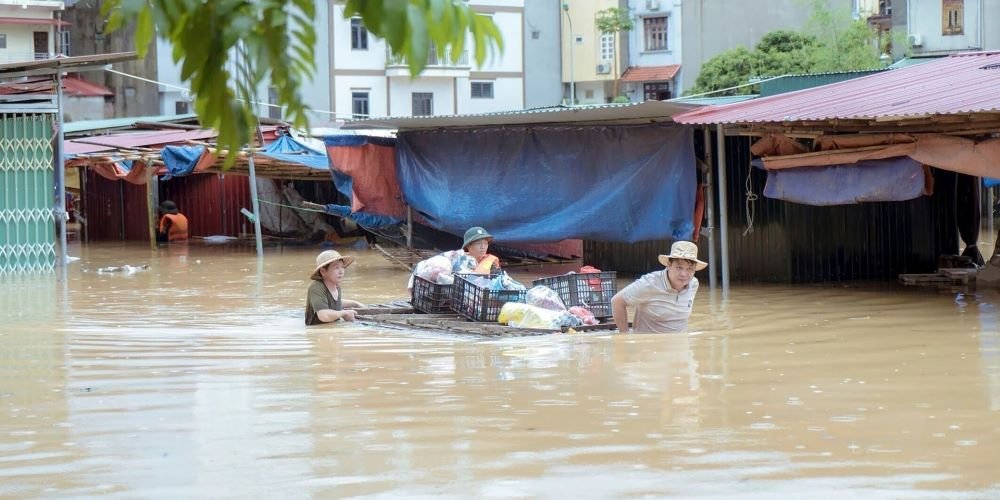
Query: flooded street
x,y
197,378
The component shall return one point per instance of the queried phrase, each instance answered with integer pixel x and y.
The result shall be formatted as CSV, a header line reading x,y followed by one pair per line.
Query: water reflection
x,y
196,377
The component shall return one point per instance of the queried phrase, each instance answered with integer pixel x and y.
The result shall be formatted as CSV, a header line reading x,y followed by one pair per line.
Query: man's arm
x,y
331,315
353,304
619,312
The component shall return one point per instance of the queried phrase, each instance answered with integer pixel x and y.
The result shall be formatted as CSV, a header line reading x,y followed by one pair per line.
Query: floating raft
x,y
944,277
401,315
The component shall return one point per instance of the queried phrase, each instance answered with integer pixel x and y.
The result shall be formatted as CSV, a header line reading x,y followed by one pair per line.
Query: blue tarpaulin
x,y
893,179
610,183
180,160
990,182
286,148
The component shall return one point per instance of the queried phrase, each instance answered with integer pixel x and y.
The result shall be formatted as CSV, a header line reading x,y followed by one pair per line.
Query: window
x,y
64,43
423,104
359,104
274,111
607,46
3,40
952,17
658,91
181,108
359,34
655,29
885,7
482,90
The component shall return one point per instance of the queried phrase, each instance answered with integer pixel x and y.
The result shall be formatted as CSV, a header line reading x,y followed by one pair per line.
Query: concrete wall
x,y
132,97
715,26
925,20
542,55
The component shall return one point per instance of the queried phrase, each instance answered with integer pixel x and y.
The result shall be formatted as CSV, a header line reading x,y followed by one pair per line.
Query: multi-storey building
x,y
30,30
589,56
654,51
366,80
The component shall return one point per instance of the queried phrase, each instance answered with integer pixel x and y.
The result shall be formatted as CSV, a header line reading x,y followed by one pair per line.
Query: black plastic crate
x,y
590,290
481,304
430,297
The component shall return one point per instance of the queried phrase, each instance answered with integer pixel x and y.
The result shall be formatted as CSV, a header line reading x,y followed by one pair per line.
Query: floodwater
x,y
196,378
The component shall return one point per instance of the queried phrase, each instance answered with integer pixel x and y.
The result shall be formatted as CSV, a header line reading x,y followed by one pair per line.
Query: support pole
x,y
989,210
256,207
409,226
150,206
723,208
713,265
60,178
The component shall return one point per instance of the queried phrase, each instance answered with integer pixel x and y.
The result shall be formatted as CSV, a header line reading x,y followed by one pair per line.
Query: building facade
x,y
654,51
542,54
948,26
367,81
589,56
31,30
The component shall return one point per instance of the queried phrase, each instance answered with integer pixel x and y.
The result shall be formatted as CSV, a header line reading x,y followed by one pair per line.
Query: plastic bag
x,y
528,316
586,317
463,264
429,269
546,298
503,281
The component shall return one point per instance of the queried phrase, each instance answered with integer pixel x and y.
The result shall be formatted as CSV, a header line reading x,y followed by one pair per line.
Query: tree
x,y
276,39
832,41
612,21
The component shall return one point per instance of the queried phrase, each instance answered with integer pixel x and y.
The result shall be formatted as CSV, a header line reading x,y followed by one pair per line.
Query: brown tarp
x,y
373,170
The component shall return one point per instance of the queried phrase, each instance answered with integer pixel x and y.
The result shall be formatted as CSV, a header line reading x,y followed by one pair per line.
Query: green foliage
x,y
620,100
832,41
614,20
228,48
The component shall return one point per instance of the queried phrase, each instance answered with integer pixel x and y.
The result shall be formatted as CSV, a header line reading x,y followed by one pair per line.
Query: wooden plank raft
x,y
401,315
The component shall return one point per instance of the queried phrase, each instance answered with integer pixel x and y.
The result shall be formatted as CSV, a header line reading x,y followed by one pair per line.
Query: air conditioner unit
x,y
603,68
652,4
916,40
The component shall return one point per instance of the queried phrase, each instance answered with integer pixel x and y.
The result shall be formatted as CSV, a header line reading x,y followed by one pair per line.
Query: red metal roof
x,y
651,73
72,86
150,138
960,83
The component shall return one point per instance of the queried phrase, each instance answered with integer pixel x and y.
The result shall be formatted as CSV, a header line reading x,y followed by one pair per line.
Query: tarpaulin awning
x,y
895,179
370,162
180,160
536,184
639,74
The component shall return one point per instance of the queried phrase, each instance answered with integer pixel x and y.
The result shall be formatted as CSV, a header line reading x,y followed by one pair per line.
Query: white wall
x,y
375,85
508,94
638,56
925,19
348,58
21,37
511,27
401,89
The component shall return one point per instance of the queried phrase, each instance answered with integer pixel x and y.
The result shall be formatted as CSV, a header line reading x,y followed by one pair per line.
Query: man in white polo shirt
x,y
662,299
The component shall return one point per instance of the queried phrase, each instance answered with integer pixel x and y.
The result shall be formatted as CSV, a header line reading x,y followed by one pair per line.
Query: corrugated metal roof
x,y
51,66
791,83
642,112
149,138
961,83
117,123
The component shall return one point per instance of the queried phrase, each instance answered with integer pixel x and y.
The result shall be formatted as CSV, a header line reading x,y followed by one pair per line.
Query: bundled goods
x,y
530,316
546,298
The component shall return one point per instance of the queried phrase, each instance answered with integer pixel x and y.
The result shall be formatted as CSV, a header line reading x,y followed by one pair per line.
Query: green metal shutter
x,y
27,193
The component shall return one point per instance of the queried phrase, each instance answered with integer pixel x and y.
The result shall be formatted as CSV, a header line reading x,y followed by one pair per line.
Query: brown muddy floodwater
x,y
197,379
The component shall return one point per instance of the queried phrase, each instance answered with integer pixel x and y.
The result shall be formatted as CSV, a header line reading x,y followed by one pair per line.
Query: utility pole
x,y
572,76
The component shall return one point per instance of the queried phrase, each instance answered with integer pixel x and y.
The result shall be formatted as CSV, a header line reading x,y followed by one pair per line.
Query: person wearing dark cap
x,y
477,243
173,224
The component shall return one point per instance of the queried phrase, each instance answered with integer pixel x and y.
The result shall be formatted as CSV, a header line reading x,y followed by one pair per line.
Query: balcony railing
x,y
13,57
432,59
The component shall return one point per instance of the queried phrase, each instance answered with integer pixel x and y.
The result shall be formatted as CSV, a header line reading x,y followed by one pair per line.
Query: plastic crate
x,y
430,297
481,304
591,290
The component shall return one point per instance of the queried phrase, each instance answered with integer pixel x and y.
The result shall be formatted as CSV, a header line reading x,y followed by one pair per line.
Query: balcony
x,y
13,57
436,65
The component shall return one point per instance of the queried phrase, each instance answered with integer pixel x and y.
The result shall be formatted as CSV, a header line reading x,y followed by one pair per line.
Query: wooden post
x,y
713,265
409,227
723,207
150,205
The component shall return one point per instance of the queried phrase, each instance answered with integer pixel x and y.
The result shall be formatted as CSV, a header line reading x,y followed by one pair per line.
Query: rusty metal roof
x,y
958,84
639,74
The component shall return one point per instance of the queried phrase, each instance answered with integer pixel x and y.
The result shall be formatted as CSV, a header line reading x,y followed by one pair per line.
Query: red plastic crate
x,y
430,297
591,290
481,304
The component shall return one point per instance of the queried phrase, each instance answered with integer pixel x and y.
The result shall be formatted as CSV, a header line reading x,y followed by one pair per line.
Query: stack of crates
x,y
591,290
430,297
480,304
